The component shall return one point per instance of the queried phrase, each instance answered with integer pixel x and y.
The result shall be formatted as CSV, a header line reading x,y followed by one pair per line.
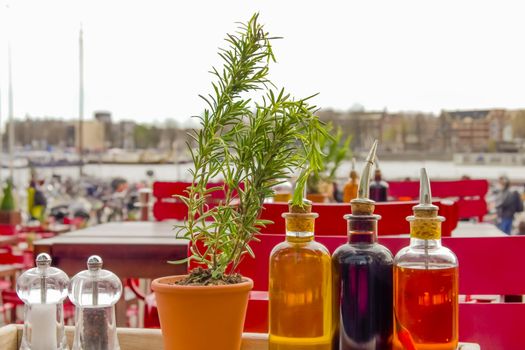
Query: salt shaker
x,y
43,290
95,292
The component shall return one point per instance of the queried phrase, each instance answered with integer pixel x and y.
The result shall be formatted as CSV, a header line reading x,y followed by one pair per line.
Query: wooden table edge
x,y
140,338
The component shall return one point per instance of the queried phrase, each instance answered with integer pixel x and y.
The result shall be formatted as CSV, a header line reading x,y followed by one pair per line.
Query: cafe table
x,y
129,249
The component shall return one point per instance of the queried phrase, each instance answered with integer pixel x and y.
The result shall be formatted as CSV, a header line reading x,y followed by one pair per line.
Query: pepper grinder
x,y
43,290
95,292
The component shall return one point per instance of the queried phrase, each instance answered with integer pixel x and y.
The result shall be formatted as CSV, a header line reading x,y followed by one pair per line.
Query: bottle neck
x,y
362,228
300,227
425,231
424,243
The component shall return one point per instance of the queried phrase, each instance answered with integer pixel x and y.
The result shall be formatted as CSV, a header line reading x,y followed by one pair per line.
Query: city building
x,y
92,135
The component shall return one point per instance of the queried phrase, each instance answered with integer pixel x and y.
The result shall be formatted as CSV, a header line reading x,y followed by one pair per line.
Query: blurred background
x,y
93,91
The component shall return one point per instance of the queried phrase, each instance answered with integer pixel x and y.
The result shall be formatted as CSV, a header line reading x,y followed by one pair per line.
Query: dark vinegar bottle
x,y
378,188
362,279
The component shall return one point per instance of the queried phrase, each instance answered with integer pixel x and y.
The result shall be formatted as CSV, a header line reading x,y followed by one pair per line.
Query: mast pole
x,y
11,131
81,101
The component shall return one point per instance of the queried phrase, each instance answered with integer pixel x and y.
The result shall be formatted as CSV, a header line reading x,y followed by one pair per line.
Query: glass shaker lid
x,y
95,287
42,284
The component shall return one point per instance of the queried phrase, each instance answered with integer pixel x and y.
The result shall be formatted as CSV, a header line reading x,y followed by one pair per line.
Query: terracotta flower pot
x,y
201,317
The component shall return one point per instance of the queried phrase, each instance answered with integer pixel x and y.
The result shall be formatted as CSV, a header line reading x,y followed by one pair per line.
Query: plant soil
x,y
203,277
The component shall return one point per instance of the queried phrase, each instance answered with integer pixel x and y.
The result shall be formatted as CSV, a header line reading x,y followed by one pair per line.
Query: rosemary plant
x,y
336,150
251,146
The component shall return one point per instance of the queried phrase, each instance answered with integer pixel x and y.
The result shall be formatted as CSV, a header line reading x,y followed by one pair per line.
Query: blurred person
x,y
508,203
36,201
521,228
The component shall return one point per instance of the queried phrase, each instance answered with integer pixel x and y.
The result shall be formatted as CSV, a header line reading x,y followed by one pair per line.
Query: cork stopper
x,y
300,220
297,209
362,205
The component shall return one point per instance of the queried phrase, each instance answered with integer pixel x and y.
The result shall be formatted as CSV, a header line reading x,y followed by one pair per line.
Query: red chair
x,y
470,194
331,222
9,297
5,310
487,266
8,230
167,206
151,315
8,257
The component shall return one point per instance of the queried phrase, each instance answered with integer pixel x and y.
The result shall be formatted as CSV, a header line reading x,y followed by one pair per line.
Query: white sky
x,y
148,60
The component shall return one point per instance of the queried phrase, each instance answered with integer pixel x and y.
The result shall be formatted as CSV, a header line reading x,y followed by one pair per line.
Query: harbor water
x,y
392,170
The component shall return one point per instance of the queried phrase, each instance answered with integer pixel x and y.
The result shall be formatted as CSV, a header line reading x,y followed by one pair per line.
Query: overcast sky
x,y
148,60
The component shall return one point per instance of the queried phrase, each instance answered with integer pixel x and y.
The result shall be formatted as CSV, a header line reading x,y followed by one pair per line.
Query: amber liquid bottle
x,y
350,189
300,287
425,283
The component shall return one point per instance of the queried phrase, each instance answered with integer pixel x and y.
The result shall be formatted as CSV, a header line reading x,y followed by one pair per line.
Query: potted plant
x,y
251,146
321,184
9,216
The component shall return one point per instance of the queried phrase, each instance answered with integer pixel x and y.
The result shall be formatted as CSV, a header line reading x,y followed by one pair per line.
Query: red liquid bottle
x,y
425,283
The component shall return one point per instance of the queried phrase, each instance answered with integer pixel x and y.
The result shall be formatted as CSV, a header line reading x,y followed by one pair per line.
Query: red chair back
x,y
167,206
332,223
7,229
470,194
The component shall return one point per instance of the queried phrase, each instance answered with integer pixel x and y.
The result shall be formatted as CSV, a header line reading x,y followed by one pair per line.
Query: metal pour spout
x,y
425,207
353,173
362,205
364,186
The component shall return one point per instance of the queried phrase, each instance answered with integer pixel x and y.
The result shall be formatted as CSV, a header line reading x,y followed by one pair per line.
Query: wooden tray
x,y
140,339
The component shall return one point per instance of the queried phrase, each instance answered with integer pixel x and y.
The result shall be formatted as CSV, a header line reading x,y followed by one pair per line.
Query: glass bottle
x,y
43,290
283,191
300,287
95,292
425,283
378,187
350,189
362,278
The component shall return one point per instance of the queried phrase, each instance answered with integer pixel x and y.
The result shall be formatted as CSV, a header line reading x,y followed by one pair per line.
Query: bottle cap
x,y
42,284
94,263
95,287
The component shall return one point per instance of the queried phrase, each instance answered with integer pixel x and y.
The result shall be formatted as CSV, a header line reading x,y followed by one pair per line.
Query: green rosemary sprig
x,y
251,146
